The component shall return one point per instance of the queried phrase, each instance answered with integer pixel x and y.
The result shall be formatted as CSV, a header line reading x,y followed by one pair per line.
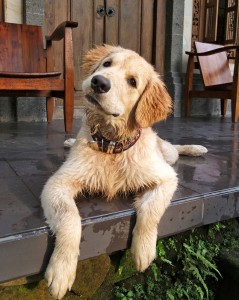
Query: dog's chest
x,y
112,174
129,171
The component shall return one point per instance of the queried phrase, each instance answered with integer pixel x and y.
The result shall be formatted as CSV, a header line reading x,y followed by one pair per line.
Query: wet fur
x,y
144,168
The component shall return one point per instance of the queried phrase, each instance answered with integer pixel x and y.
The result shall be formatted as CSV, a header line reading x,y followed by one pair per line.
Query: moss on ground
x,y
90,275
30,291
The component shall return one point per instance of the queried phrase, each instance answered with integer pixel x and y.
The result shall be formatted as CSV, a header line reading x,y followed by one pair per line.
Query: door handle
x,y
101,10
110,11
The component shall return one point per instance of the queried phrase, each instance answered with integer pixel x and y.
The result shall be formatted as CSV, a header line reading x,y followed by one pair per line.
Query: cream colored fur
x,y
144,168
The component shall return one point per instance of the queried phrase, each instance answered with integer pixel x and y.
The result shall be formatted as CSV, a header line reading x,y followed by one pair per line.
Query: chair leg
x,y
235,109
50,103
68,111
187,105
235,97
188,86
69,80
223,107
235,89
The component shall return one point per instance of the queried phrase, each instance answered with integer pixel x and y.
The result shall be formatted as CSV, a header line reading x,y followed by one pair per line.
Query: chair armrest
x,y
218,50
190,53
58,33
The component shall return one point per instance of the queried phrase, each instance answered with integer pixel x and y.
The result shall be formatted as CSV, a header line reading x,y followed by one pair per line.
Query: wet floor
x,y
30,153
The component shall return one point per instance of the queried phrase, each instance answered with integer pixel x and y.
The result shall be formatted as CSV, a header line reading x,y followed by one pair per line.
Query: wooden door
x,y
1,11
130,24
118,24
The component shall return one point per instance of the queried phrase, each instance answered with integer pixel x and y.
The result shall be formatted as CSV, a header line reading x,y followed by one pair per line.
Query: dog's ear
x,y
154,105
93,58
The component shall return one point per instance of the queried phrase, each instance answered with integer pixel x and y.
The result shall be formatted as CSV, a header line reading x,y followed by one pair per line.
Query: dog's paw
x,y
143,250
69,143
60,275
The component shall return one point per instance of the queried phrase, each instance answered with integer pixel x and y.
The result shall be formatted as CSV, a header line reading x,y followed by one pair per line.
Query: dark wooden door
x,y
1,11
133,24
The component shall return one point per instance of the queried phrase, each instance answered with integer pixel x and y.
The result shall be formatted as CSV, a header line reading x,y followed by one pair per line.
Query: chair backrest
x,y
214,68
21,48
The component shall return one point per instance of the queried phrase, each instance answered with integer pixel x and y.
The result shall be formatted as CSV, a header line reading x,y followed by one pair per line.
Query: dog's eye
x,y
107,64
132,82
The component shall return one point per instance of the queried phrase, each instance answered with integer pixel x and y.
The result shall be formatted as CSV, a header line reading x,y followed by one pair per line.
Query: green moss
x,y
122,268
31,291
125,267
105,290
90,275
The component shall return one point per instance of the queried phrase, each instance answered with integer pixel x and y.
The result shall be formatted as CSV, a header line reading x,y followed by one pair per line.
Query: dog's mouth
x,y
95,102
92,100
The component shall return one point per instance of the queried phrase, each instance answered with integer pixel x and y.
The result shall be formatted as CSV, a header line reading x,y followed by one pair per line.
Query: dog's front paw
x,y
143,250
60,275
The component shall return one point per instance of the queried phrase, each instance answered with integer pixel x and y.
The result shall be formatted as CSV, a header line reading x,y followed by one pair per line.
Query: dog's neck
x,y
100,143
111,128
109,134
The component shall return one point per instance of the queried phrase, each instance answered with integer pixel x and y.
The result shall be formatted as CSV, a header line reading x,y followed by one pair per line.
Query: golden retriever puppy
x,y
115,151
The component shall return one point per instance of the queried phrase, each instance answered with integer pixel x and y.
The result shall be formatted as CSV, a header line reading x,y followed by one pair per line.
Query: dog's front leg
x,y
63,217
150,207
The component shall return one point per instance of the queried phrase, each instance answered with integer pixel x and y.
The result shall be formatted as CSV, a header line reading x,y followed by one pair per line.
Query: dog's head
x,y
121,84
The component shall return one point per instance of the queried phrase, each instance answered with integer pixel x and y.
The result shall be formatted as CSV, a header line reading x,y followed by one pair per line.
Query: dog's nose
x,y
100,84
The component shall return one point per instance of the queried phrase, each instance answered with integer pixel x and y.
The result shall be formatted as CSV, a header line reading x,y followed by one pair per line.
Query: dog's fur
x,y
136,98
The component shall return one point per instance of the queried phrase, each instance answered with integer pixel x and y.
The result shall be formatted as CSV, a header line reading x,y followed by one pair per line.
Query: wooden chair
x,y
217,78
26,68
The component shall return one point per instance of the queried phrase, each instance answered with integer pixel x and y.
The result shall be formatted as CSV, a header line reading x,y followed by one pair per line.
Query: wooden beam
x,y
160,37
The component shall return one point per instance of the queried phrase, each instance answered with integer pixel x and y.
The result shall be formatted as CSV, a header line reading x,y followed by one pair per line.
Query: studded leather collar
x,y
102,144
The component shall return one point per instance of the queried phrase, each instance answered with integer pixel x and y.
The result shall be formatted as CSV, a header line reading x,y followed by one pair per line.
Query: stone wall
x,y
32,109
7,109
173,56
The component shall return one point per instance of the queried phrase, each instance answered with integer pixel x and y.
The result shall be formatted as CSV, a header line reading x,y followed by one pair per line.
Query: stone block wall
x,y
32,109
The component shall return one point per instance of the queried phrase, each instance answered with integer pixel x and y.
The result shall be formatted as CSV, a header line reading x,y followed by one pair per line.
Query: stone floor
x,y
30,152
